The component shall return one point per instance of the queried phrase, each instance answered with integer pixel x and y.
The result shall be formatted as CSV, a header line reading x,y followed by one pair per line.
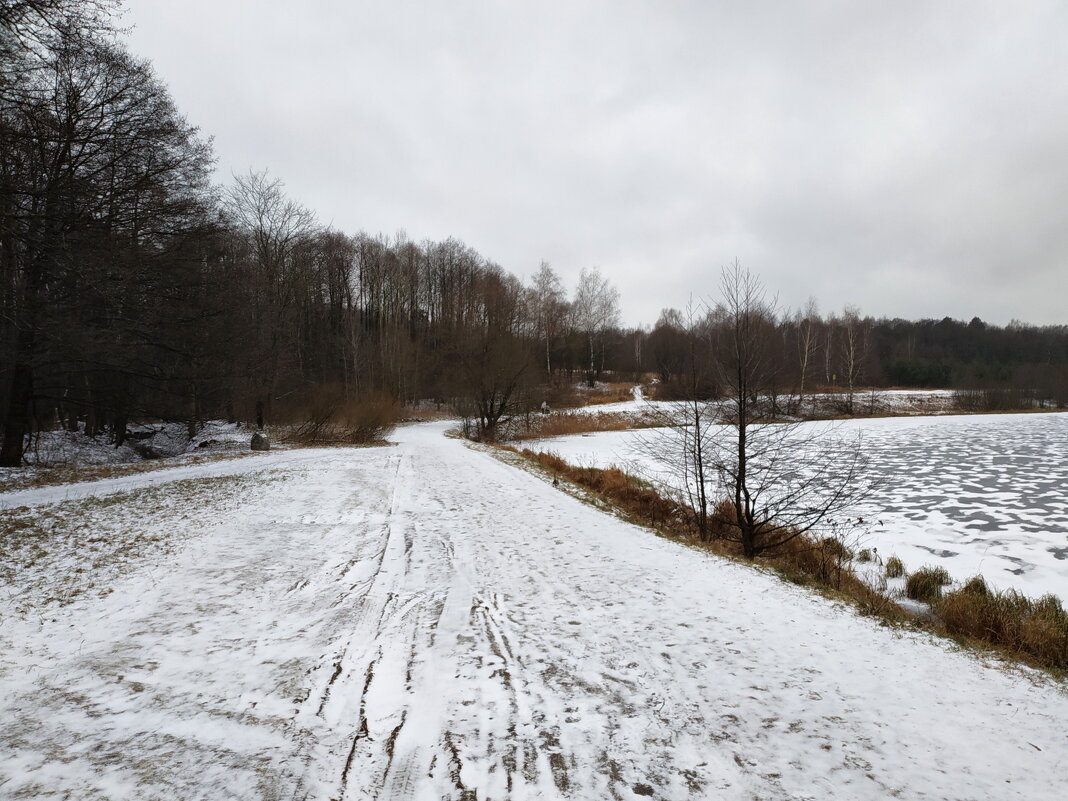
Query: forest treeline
x,y
133,288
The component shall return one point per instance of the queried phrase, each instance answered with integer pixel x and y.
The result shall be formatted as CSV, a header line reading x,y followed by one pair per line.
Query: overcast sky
x,y
910,158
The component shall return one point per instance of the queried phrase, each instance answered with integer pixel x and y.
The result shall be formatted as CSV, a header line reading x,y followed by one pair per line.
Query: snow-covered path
x,y
425,622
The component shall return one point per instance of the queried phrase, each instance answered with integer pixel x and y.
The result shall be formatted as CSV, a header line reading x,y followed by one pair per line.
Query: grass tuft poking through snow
x,y
926,584
895,568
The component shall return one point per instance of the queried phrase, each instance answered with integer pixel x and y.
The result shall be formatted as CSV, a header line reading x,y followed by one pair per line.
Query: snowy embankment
x,y
143,441
903,402
976,494
425,622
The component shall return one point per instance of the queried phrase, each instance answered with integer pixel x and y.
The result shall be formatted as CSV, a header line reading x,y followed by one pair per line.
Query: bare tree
x,y
492,357
806,324
269,229
854,343
782,479
103,187
596,311
548,310
681,445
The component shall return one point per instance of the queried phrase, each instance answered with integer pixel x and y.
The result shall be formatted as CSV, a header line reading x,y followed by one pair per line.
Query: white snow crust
x,y
426,622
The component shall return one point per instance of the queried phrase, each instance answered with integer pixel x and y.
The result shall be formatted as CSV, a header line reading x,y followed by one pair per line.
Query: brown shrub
x,y
721,523
823,562
835,548
324,416
564,397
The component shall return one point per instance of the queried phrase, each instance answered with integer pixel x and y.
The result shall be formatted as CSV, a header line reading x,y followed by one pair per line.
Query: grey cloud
x,y
907,158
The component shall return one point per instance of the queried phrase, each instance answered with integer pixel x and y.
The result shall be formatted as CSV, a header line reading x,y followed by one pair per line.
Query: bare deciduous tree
x,y
682,443
854,343
805,325
548,310
596,311
781,479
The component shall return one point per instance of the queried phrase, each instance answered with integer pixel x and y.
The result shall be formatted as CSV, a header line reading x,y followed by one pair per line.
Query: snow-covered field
x,y
977,494
425,622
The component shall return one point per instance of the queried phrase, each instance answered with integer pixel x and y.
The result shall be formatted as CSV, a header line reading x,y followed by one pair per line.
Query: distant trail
x,y
425,622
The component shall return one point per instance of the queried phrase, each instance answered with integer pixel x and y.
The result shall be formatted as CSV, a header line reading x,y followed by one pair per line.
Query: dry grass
x,y
560,424
572,396
610,393
327,419
632,496
926,584
1009,621
57,553
37,477
1031,631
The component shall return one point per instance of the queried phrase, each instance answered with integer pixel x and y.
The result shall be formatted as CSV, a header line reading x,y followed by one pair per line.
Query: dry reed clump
x,y
1008,620
822,563
634,497
976,585
926,584
895,568
610,393
560,424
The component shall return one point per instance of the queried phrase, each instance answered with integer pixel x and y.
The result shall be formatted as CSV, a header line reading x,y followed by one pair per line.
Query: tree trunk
x,y
17,424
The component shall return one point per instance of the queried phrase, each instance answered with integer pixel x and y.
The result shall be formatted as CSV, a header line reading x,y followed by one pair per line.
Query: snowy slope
x,y
260,461
425,622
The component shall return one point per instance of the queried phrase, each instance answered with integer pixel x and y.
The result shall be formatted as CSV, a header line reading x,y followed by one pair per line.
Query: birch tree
x,y
595,311
549,310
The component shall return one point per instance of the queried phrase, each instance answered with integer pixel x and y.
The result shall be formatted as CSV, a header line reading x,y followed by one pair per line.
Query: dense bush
x,y
324,416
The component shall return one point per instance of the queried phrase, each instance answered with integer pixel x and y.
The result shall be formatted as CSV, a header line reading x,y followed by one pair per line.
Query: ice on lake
x,y
976,494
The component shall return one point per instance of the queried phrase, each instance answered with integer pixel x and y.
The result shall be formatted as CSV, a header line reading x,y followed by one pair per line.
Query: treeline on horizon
x,y
134,289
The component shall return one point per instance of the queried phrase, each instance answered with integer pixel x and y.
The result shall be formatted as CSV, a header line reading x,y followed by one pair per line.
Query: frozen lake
x,y
973,493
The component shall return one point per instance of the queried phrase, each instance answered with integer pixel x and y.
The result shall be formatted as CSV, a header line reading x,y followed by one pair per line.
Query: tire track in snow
x,y
425,622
